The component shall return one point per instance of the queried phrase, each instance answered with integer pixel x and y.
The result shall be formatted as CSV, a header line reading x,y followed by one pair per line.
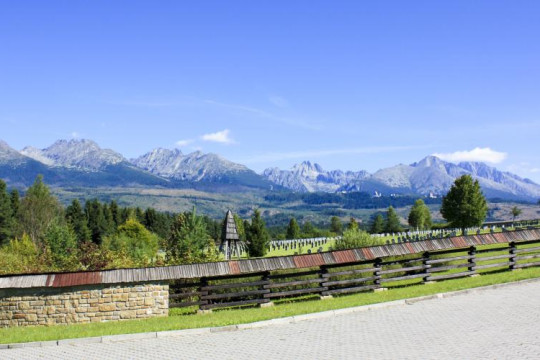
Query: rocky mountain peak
x,y
82,154
8,153
306,167
309,177
37,154
430,161
5,148
194,166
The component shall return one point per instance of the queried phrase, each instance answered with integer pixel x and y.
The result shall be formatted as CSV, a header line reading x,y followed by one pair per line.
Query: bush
x,y
133,242
354,238
20,256
61,247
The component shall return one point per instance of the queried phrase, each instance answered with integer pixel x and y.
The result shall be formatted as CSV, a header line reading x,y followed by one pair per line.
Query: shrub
x,y
354,238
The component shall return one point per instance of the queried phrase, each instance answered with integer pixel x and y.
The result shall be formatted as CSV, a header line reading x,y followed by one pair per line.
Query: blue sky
x,y
348,84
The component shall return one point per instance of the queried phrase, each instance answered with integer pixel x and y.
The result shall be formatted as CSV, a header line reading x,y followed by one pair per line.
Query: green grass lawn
x,y
182,319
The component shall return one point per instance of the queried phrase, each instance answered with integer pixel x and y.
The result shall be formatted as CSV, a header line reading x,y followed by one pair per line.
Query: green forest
x,y
39,234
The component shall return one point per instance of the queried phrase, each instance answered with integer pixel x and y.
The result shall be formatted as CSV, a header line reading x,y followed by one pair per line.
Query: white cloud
x,y
476,154
221,137
182,143
278,101
75,135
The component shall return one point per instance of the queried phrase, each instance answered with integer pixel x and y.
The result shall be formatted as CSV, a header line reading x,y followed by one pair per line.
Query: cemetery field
x,y
187,319
380,239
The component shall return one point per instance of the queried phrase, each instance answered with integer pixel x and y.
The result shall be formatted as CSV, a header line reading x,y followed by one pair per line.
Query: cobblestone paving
x,y
502,323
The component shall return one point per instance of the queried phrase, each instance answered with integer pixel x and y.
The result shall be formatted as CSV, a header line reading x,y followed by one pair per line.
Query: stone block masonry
x,y
88,304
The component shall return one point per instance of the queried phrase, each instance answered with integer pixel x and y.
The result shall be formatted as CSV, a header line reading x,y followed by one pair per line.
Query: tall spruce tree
x,y
308,230
77,220
157,222
97,224
464,205
239,227
37,211
420,217
109,220
115,213
377,226
6,214
392,221
15,202
293,230
257,236
189,240
352,225
336,226
139,215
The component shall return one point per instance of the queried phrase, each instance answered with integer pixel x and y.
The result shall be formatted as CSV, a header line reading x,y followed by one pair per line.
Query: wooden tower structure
x,y
230,240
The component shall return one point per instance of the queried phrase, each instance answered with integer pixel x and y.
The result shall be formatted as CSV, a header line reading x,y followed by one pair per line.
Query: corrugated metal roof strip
x,y
235,267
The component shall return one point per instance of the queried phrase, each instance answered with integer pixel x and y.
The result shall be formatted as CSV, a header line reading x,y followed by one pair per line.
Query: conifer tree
x,y
15,202
377,226
257,236
240,227
353,225
115,213
6,214
309,231
109,220
139,215
392,221
37,211
189,240
293,230
335,225
97,224
61,241
77,220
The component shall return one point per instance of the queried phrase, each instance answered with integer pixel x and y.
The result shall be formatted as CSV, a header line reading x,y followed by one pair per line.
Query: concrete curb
x,y
259,324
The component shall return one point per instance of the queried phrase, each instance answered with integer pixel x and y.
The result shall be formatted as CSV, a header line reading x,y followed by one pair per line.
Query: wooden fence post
x,y
472,260
512,258
427,266
203,293
322,271
377,273
266,281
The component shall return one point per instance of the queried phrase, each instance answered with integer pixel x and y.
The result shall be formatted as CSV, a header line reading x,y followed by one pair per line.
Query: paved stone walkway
x,y
502,323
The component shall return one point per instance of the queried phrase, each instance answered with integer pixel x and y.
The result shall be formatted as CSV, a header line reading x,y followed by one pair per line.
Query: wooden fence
x,y
262,280
351,276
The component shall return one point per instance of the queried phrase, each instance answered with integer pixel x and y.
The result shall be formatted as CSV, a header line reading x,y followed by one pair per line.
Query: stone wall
x,y
91,303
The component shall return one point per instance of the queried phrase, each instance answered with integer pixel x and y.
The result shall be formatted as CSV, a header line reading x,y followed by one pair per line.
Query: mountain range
x,y
429,177
83,163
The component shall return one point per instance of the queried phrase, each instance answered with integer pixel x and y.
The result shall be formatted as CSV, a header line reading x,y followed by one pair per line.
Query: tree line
x,y
38,234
